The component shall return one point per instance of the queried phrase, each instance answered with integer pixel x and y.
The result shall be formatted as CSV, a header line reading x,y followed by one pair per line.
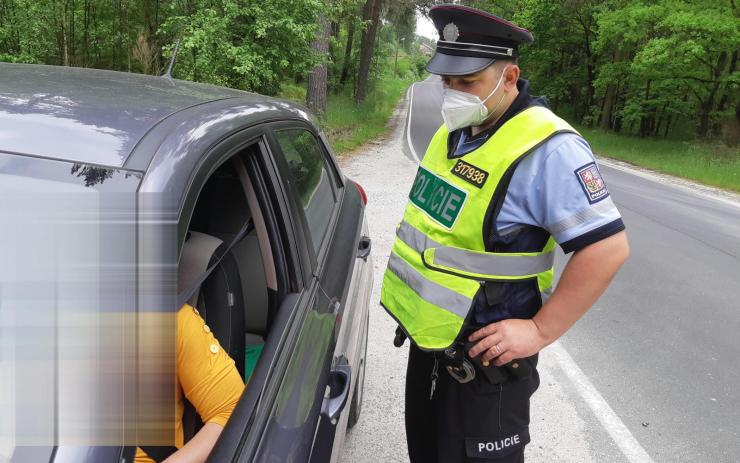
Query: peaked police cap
x,y
471,40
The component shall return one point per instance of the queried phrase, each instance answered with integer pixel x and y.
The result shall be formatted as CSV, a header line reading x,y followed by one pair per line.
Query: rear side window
x,y
310,179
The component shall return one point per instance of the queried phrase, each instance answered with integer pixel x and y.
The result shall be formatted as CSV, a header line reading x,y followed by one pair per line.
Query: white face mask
x,y
462,109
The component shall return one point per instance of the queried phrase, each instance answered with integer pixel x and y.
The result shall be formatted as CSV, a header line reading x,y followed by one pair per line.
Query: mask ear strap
x,y
490,113
500,79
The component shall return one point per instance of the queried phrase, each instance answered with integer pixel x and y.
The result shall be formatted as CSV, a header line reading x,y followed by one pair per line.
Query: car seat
x,y
219,301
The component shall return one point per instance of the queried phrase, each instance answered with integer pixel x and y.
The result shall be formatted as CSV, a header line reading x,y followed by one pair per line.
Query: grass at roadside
x,y
349,126
710,164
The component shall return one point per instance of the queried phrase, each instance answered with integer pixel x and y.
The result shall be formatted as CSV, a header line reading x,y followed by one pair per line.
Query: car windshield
x,y
67,279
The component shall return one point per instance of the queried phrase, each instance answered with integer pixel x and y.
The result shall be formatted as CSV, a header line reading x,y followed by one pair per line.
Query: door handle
x,y
340,379
363,249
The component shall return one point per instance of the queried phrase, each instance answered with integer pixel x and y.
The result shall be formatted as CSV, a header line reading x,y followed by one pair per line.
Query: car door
x,y
351,342
279,416
253,422
318,382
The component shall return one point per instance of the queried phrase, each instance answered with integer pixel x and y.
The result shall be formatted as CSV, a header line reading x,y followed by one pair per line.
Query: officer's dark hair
x,y
507,61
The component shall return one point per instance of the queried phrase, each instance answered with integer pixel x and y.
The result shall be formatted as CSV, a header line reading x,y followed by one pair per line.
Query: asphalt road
x,y
661,347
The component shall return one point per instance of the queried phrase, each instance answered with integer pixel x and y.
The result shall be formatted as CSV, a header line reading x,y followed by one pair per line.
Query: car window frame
x,y
317,257
331,159
243,437
253,146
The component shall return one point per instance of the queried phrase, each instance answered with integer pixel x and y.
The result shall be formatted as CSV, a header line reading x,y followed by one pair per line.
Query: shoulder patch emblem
x,y
592,183
471,174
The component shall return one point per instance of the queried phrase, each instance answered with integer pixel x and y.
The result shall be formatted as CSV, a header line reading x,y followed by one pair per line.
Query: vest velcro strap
x,y
434,293
488,265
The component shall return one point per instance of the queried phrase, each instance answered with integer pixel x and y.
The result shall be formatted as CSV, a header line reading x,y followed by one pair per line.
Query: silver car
x,y
124,195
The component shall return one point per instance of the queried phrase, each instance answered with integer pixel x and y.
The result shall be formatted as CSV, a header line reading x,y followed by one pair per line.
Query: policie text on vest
x,y
441,200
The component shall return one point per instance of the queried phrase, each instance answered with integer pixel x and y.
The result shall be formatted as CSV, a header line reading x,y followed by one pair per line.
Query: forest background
x,y
655,83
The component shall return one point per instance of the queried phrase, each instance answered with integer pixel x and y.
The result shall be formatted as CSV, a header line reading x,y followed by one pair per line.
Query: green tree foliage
x,y
648,67
256,45
250,47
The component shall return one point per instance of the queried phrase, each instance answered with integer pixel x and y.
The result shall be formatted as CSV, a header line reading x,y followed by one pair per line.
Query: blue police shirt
x,y
559,188
555,190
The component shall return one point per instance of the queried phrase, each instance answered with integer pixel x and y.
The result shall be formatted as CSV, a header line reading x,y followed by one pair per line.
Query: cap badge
x,y
451,32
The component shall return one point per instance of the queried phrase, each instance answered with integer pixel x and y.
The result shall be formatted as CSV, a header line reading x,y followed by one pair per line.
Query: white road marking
x,y
410,97
622,436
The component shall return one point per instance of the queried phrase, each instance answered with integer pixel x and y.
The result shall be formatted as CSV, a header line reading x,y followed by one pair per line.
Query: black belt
x,y
464,369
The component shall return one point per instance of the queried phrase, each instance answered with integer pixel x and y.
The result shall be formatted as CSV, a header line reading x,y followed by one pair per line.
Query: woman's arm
x,y
199,447
209,380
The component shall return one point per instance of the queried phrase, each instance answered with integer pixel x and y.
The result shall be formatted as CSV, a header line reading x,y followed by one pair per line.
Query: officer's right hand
x,y
507,340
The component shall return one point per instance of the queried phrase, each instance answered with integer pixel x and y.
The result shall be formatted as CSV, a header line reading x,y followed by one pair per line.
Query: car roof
x,y
94,116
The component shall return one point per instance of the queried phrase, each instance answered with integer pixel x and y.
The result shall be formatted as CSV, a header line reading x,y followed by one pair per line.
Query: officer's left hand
x,y
514,338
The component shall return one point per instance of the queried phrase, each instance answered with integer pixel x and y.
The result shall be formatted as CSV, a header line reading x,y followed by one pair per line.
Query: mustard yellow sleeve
x,y
206,373
142,457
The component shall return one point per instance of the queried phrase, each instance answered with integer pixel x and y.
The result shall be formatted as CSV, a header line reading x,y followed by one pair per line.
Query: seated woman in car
x,y
208,378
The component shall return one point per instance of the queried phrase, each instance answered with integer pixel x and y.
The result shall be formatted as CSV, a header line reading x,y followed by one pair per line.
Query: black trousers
x,y
475,422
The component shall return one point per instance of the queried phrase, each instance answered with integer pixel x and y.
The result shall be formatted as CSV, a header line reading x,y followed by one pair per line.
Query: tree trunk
x,y
590,73
151,11
611,96
194,53
667,126
644,122
727,94
335,29
72,51
609,100
707,106
371,12
317,78
656,130
706,109
86,34
65,32
118,46
347,52
618,103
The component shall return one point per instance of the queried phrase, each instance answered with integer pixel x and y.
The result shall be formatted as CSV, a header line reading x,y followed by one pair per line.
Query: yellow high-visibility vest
x,y
439,260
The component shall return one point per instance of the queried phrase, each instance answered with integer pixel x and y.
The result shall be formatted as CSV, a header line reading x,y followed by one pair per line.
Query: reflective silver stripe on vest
x,y
428,290
474,262
415,239
493,264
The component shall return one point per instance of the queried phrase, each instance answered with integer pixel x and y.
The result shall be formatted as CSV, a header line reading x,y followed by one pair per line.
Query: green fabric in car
x,y
251,355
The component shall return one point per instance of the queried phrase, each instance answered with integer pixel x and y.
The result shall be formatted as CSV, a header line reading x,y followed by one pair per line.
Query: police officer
x,y
469,278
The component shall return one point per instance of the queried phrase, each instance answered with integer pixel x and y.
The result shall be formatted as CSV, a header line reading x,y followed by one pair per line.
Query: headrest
x,y
196,254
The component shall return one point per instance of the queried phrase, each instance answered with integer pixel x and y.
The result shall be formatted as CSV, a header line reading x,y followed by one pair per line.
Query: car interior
x,y
238,299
